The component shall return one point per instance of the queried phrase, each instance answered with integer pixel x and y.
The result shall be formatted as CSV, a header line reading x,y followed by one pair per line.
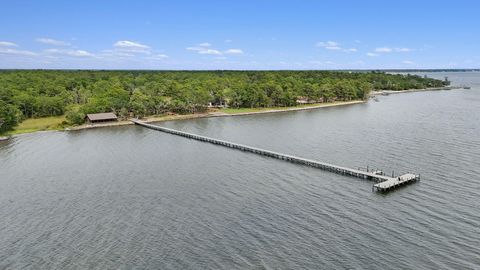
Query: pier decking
x,y
393,182
384,183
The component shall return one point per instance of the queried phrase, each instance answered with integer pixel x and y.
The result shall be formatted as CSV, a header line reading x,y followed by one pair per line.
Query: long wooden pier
x,y
384,183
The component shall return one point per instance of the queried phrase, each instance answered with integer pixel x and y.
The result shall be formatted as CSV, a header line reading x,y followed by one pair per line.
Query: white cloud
x,y
408,62
234,51
51,41
74,53
383,50
372,54
210,51
79,53
115,53
7,44
334,46
126,48
200,47
129,45
205,48
158,57
350,50
403,49
16,52
52,51
389,50
228,40
329,45
195,48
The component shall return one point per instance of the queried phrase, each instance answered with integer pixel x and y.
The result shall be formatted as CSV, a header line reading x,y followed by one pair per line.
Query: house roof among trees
x,y
101,116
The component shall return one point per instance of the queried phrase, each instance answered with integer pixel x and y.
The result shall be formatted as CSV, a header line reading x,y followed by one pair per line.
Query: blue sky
x,y
262,34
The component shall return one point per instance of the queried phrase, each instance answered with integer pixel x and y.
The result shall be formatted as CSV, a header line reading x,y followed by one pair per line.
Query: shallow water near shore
x,y
129,197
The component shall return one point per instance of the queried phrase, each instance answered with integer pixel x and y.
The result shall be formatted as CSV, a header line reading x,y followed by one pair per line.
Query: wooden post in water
x,y
384,183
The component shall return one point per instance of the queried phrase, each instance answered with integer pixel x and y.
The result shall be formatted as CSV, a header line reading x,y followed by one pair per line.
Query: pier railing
x,y
384,183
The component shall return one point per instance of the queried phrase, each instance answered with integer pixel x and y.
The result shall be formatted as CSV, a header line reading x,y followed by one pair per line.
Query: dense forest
x,y
39,93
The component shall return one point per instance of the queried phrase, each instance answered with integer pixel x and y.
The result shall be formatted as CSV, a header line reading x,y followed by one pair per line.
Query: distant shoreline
x,y
212,114
388,92
153,119
254,111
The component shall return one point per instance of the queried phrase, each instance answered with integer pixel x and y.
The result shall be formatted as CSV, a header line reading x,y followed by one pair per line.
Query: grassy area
x,y
39,124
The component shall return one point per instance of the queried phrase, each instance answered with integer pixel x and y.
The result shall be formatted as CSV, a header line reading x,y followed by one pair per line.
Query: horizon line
x,y
367,69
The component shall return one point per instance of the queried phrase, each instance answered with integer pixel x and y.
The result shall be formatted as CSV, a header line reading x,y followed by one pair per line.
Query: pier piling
x,y
384,183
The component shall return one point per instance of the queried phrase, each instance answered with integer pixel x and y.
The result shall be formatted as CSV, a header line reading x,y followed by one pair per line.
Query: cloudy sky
x,y
247,34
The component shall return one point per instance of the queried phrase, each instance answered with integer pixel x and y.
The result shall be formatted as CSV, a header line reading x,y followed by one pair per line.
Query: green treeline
x,y
39,93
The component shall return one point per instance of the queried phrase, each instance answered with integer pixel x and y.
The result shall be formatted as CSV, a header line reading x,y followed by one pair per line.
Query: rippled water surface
x,y
134,198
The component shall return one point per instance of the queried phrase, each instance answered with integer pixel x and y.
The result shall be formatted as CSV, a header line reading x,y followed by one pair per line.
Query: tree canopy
x,y
39,93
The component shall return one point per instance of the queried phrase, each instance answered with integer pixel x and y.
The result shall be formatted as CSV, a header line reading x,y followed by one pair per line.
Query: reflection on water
x,y
129,197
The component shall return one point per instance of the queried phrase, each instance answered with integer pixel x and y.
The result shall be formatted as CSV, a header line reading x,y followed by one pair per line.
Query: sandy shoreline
x,y
223,114
388,92
214,114
194,116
